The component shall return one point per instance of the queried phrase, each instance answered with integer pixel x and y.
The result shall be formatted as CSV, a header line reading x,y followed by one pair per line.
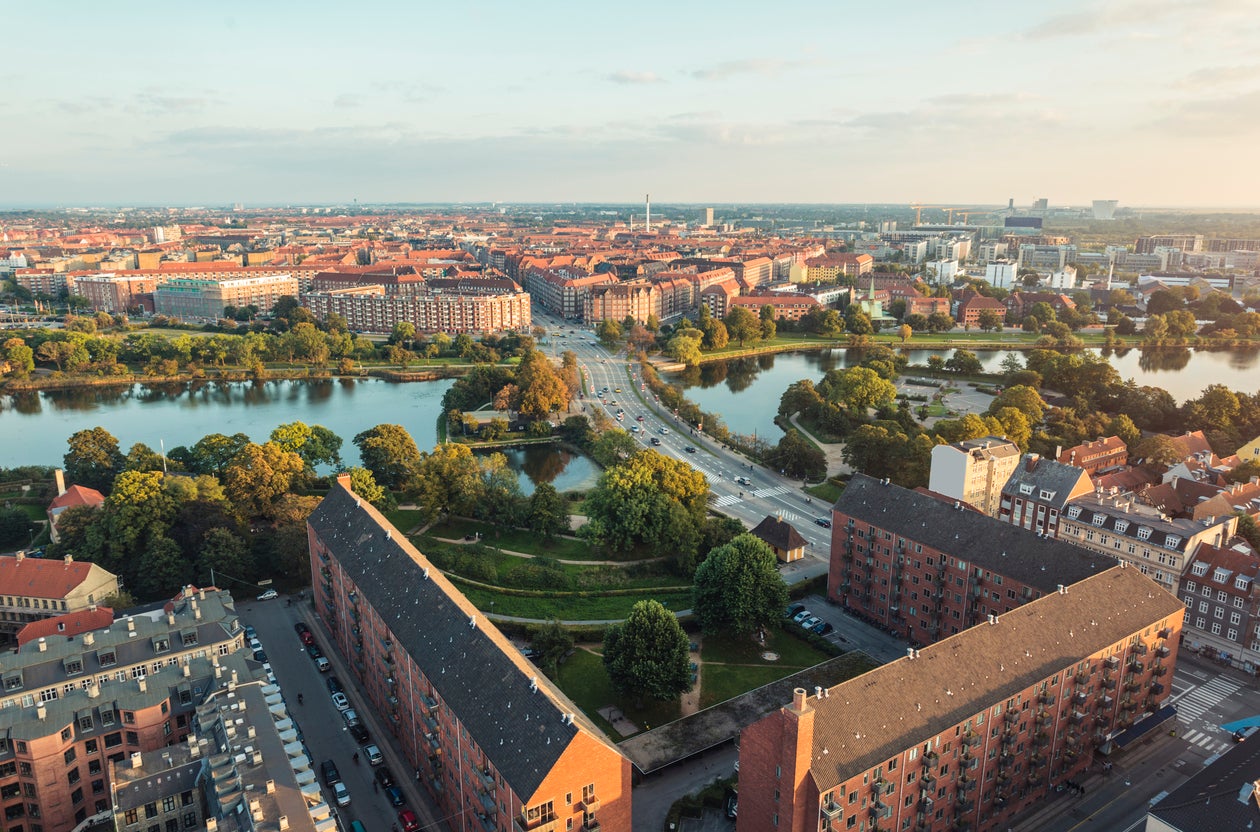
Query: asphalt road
x,y
321,725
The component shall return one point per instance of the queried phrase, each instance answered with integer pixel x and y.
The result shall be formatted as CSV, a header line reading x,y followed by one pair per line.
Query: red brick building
x,y
1100,455
968,732
496,744
926,569
971,304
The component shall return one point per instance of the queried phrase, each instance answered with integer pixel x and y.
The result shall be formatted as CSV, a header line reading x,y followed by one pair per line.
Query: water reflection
x,y
1164,358
548,463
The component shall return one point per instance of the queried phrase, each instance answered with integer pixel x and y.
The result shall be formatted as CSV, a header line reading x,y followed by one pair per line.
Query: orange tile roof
x,y
78,495
71,624
41,578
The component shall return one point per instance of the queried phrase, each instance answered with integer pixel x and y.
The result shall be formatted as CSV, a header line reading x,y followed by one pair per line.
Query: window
x,y
1074,512
1143,533
73,666
107,658
130,816
85,722
1121,525
1200,622
1216,629
1190,585
1240,582
1232,635
1218,613
190,820
48,695
1171,541
1235,618
189,637
1199,569
168,803
150,810
1238,601
1099,519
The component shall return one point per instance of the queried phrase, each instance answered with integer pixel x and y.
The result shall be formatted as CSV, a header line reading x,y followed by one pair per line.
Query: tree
x,y
857,321
547,512
21,358
738,588
223,553
389,452
613,447
905,331
742,325
258,475
964,363
990,320
716,335
142,458
769,325
94,459
609,333
646,655
15,528
940,322
634,501
365,485
447,479
542,390
404,333
1122,426
798,458
1015,426
857,388
551,643
1024,399
1157,452
684,347
315,444
163,569
212,453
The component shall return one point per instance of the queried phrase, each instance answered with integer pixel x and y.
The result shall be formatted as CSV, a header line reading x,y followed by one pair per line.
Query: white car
x,y
373,754
811,622
340,702
664,431
351,717
801,616
268,595
341,793
255,644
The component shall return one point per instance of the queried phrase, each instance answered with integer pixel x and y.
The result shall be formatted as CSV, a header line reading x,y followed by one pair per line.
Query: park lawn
x,y
584,680
405,519
784,341
720,682
794,653
33,512
576,606
828,491
521,540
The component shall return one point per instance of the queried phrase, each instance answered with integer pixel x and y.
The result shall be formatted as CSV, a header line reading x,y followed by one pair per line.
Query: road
x,y
322,728
766,494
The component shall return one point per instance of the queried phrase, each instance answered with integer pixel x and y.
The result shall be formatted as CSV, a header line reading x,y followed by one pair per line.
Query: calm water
x,y
34,426
746,391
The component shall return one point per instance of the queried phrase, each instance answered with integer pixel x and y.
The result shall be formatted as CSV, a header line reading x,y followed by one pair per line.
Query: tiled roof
x,y
1046,475
38,578
69,624
865,721
1019,554
1220,796
474,668
77,495
779,533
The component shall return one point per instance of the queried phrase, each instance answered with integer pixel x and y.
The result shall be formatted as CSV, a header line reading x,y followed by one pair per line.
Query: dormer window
x,y
1220,575
189,637
1099,519
1172,541
1046,495
1121,526
161,644
1144,533
1241,582
1025,488
1074,512
1199,569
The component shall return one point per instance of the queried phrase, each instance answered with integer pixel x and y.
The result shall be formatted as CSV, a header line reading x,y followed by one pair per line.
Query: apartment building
x,y
115,293
1158,545
1102,454
926,569
972,305
32,589
1222,602
968,732
1038,491
638,300
206,298
974,471
787,307
492,739
563,291
73,704
831,267
371,308
163,789
41,281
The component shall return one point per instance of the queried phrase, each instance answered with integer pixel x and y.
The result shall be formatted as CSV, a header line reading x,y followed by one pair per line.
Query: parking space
x,y
713,820
852,634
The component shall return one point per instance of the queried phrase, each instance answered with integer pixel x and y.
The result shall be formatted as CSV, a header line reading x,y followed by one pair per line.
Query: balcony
x,y
1157,689
1076,718
590,804
965,804
971,739
1109,684
832,810
1139,649
1136,666
931,758
519,824
1080,698
1159,670
878,785
1164,633
1011,717
1163,652
1046,698
927,806
1044,718
1081,678
1111,662
928,783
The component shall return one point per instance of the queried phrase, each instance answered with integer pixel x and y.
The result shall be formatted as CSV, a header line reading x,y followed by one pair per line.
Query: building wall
x,y
451,313
957,473
16,611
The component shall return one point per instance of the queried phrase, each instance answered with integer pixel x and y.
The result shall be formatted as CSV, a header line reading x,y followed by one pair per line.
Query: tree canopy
x,y
646,655
738,588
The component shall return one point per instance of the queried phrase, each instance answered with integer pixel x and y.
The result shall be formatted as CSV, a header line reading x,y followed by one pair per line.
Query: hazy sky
x,y
1152,102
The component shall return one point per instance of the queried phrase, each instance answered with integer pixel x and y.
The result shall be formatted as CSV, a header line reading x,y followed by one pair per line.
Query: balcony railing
x,y
1162,651
1046,698
1111,662
1139,649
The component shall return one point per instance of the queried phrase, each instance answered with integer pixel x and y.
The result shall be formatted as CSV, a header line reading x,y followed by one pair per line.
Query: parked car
x,y
329,770
732,803
313,651
268,595
384,776
801,616
373,754
340,702
656,441
308,638
823,521
793,610
301,627
341,793
255,644
351,716
664,431
395,796
260,656
811,622
360,734
322,664
334,684
822,628
408,821
251,633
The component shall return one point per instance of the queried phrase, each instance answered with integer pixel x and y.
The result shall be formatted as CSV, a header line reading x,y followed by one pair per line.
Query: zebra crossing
x,y
1200,699
771,492
1208,742
727,500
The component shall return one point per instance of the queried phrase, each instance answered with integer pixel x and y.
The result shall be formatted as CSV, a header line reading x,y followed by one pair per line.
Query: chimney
x,y
909,652
137,759
1031,462
43,645
69,558
799,697
212,825
21,555
41,712
344,481
94,690
1062,589
271,787
89,639
170,619
60,476
142,684
131,624
284,820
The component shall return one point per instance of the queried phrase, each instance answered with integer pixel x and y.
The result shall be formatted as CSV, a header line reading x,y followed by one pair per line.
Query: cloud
x,y
1120,17
347,100
626,76
1007,111
747,66
160,104
1220,118
1220,76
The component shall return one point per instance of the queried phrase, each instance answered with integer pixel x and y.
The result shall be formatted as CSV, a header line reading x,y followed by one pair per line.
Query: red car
x,y
308,638
409,821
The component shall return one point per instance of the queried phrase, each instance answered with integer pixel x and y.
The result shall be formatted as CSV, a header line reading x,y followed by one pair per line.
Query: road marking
x,y
727,500
1199,699
772,491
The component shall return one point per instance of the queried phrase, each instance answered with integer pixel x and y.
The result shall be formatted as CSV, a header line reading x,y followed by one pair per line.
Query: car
x,y
323,665
732,803
793,610
308,638
801,616
823,521
639,418
313,651
743,480
334,684
689,449
360,734
408,821
301,627
395,796
329,770
373,754
811,622
251,633
618,390
269,595
663,431
823,628
384,776
260,656
351,717
656,441
340,702
635,428
255,644
341,793
614,401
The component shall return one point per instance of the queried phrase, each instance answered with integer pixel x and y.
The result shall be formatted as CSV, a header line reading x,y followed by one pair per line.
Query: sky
x,y
1151,102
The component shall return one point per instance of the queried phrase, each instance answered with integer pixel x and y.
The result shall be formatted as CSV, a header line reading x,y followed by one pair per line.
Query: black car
x,y
384,776
822,628
314,651
301,627
395,796
331,775
824,522
360,734
334,685
793,610
689,449
260,656
656,441
732,803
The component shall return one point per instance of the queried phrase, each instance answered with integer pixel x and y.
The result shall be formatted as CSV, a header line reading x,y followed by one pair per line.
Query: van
x,y
322,664
356,826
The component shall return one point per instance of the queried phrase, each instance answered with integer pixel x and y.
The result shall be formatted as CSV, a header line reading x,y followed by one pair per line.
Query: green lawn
x,y
405,520
719,682
33,512
569,606
583,679
521,540
828,491
794,653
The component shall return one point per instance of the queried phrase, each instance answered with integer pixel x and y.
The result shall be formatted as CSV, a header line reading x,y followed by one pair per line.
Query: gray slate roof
x,y
476,671
982,541
1046,475
1219,797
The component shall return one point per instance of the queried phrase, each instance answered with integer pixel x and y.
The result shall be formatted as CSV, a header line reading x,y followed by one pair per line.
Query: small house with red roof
x,y
32,589
75,495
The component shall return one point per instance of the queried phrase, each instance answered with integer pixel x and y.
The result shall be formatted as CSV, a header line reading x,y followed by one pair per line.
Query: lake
x,y
746,391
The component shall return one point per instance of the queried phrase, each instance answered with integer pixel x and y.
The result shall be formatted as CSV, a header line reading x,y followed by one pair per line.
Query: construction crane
x,y
918,212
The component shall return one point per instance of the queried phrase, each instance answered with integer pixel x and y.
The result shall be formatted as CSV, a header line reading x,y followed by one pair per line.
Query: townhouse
x,y
32,589
1038,491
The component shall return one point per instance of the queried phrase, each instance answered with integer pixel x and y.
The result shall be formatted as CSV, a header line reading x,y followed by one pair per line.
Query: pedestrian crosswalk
x,y
1209,743
727,500
1198,700
773,491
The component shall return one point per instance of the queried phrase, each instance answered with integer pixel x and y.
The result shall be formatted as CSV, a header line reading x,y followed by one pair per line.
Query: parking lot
x,y
852,634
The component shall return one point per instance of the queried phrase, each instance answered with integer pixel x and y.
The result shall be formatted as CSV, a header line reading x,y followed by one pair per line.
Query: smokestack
x,y
60,476
647,222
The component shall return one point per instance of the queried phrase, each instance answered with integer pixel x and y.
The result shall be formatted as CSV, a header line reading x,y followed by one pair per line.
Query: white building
x,y
943,270
1001,274
974,471
1105,209
1063,280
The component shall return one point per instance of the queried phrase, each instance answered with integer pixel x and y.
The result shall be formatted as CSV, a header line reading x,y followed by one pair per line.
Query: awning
x,y
1144,726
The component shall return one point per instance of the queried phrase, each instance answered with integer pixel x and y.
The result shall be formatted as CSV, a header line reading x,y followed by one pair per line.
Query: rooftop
x,y
779,533
985,542
77,495
866,721
1055,479
67,624
1221,796
39,578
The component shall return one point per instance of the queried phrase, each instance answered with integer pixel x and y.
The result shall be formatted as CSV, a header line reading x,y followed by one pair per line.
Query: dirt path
x,y
833,451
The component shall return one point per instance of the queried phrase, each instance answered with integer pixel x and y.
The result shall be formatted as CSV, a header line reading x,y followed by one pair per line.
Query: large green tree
x,y
797,457
390,453
857,388
738,588
648,499
315,444
548,514
93,459
646,656
447,479
542,391
223,553
258,475
1024,399
742,325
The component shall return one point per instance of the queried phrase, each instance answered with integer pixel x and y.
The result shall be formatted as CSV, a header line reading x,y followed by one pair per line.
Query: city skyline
x,y
810,103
